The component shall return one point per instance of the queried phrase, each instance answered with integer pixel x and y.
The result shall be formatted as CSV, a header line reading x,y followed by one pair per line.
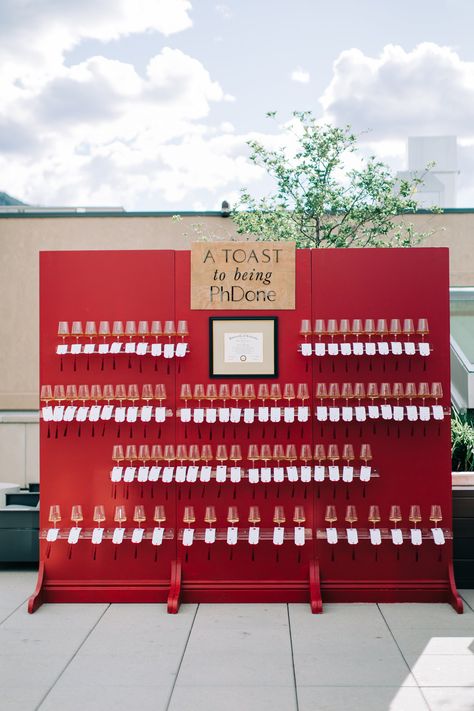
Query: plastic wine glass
x,y
265,454
118,330
435,514
278,453
104,329
359,391
63,329
46,394
351,514
54,514
436,391
385,391
382,328
397,391
415,514
320,328
320,453
120,515
96,392
334,392
422,328
199,393
374,515
59,393
303,392
210,515
279,515
130,329
91,329
333,453
331,515
131,453
194,454
77,329
263,392
120,393
408,327
83,393
157,453
299,515
289,392
186,393
236,393
348,453
144,453
305,328
372,391
235,454
206,453
117,453
423,391
169,454
305,453
290,453
253,454
156,329
357,329
147,392
139,515
211,393
254,515
410,391
221,453
159,515
369,328
170,329
143,329
160,392
133,394
224,393
189,516
366,453
333,328
233,515
275,392
99,514
182,329
249,393
321,391
345,327
395,514
347,393
182,453
395,327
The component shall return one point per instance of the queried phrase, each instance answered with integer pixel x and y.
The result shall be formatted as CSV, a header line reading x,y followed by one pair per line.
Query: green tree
x,y
318,202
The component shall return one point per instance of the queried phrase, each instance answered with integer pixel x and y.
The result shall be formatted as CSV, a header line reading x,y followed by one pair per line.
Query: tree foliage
x,y
318,202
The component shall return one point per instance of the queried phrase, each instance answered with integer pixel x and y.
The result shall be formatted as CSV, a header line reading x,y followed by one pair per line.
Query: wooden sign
x,y
242,275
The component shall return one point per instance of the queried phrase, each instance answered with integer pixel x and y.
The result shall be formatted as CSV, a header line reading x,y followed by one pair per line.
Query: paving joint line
x,y
43,699
420,688
23,602
292,657
182,658
466,602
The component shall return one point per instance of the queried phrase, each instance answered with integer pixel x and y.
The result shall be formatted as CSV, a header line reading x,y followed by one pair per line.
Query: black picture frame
x,y
216,373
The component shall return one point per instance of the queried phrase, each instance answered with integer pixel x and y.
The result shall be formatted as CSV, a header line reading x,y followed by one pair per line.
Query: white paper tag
x,y
145,413
347,473
76,348
89,348
360,413
320,349
398,413
299,536
382,347
94,413
386,411
129,474
319,472
365,473
346,349
224,414
275,414
181,349
168,350
167,475
180,474
74,534
334,473
321,413
120,414
198,415
132,414
211,415
369,348
333,349
137,535
352,536
142,348
438,536
254,475
358,348
278,535
235,414
221,473
103,348
116,474
192,473
130,347
409,348
249,415
416,536
396,347
374,412
52,535
263,414
210,535
143,474
188,536
97,536
117,536
265,475
292,473
289,414
438,413
424,413
185,414
347,413
235,474
107,411
424,349
334,414
397,536
331,535
306,473
58,413
278,474
205,474
69,413
412,413
303,413
232,535
306,349
61,349
254,535
375,536
154,473
156,350
81,413
115,347
157,537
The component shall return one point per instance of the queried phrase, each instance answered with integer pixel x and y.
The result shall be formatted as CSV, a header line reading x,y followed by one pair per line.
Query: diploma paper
x,y
243,347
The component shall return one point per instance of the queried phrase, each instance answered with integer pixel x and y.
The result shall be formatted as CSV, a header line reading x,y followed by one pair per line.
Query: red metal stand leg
x,y
454,598
175,587
315,598
37,599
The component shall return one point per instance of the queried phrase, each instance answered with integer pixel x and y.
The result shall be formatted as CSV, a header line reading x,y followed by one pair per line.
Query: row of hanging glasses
x,y
372,400
182,463
140,337
397,535
96,402
376,337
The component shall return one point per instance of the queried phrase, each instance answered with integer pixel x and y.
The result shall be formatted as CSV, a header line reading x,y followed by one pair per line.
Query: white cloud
x,y
300,76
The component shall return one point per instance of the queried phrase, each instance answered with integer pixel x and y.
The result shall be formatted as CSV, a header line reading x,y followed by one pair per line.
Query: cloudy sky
x,y
148,104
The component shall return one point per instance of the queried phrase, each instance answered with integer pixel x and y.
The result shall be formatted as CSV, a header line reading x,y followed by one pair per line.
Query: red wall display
x,y
264,528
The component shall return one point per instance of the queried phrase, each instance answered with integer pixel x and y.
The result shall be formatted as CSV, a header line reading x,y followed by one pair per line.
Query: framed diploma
x,y
243,347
